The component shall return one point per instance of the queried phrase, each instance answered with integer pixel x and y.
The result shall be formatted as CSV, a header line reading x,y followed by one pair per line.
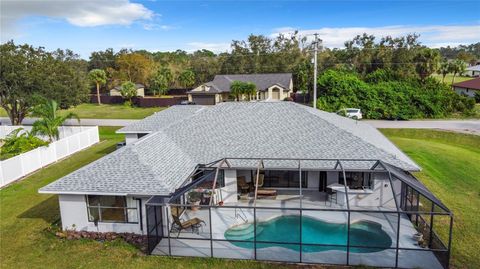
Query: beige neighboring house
x,y
270,87
140,90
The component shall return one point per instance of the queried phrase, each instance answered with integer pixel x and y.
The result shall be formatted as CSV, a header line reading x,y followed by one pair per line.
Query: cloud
x,y
76,12
430,35
154,26
215,47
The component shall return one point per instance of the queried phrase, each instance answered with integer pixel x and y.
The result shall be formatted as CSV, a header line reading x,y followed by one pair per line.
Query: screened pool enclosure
x,y
329,211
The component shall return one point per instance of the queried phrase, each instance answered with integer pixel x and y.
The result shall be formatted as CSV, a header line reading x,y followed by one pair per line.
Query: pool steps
x,y
243,231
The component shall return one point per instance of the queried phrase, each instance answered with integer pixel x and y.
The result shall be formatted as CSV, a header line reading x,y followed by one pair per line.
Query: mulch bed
x,y
139,241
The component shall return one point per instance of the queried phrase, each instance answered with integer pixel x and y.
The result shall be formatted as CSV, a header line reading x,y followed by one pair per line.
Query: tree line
x,y
28,72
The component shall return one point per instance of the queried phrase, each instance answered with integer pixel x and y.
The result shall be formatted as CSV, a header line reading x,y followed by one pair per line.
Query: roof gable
x,y
262,81
473,84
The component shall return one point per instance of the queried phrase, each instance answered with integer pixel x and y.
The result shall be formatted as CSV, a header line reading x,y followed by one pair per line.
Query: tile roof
x,y
221,83
161,162
473,84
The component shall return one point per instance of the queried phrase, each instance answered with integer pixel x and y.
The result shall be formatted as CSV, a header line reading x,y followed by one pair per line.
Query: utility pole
x,y
315,71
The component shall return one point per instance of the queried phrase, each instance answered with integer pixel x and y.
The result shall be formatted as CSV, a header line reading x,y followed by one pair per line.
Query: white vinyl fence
x,y
72,139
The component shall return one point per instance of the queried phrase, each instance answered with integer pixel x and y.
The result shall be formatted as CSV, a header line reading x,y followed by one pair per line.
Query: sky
x,y
159,25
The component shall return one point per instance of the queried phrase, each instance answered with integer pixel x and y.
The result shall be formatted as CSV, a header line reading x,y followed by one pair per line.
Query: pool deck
x,y
224,218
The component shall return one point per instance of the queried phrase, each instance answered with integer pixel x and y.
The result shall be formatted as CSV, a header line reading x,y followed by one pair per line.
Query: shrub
x,y
128,90
15,144
384,95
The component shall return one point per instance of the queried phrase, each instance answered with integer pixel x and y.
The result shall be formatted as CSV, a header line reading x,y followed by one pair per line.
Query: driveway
x,y
462,126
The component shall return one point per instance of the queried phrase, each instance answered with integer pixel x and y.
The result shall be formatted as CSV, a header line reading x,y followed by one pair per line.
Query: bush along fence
x,y
72,139
139,101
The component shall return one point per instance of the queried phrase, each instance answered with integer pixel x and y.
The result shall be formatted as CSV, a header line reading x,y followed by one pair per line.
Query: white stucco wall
x,y
382,194
130,138
73,211
115,92
229,192
464,91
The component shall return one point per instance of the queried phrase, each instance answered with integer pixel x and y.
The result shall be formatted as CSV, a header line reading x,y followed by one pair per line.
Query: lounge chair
x,y
193,224
264,193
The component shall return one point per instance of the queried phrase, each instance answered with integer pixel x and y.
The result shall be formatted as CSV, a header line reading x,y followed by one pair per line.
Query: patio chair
x,y
177,211
261,179
243,185
192,224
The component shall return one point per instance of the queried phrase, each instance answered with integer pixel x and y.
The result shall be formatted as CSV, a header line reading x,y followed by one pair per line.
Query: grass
x,y
93,111
474,115
451,165
26,215
448,78
451,169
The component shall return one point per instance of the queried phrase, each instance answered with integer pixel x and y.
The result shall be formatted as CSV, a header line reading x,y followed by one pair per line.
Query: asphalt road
x,y
464,126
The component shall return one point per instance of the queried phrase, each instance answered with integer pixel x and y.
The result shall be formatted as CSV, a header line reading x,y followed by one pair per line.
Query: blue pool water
x,y
286,229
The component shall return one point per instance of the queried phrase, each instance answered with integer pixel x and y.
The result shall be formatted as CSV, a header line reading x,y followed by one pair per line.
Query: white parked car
x,y
354,113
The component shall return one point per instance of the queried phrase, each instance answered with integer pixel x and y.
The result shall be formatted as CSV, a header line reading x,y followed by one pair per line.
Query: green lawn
x,y
448,78
25,217
93,111
451,170
451,165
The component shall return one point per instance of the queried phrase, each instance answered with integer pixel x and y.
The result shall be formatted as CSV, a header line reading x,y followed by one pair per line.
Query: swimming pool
x,y
286,229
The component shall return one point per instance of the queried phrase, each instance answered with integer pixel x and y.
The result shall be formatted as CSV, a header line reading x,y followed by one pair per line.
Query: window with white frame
x,y
121,209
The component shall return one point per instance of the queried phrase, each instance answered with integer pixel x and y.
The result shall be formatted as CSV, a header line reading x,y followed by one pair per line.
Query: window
x,y
284,179
141,135
103,208
357,180
208,183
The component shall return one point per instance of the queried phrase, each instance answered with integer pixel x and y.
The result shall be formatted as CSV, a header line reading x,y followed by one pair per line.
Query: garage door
x,y
276,94
204,99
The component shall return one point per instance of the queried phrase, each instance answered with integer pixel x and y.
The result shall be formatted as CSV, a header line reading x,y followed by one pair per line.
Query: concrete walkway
x,y
463,126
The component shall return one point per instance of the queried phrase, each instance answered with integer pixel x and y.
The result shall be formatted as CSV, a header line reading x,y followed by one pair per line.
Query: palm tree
x,y
236,88
49,120
250,90
458,67
98,76
426,62
444,69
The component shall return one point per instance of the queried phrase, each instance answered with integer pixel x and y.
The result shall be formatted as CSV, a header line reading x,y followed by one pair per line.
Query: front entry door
x,y
322,185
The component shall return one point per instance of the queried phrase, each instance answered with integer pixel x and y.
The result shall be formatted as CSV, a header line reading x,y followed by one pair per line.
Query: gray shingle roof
x,y
160,163
221,83
162,119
